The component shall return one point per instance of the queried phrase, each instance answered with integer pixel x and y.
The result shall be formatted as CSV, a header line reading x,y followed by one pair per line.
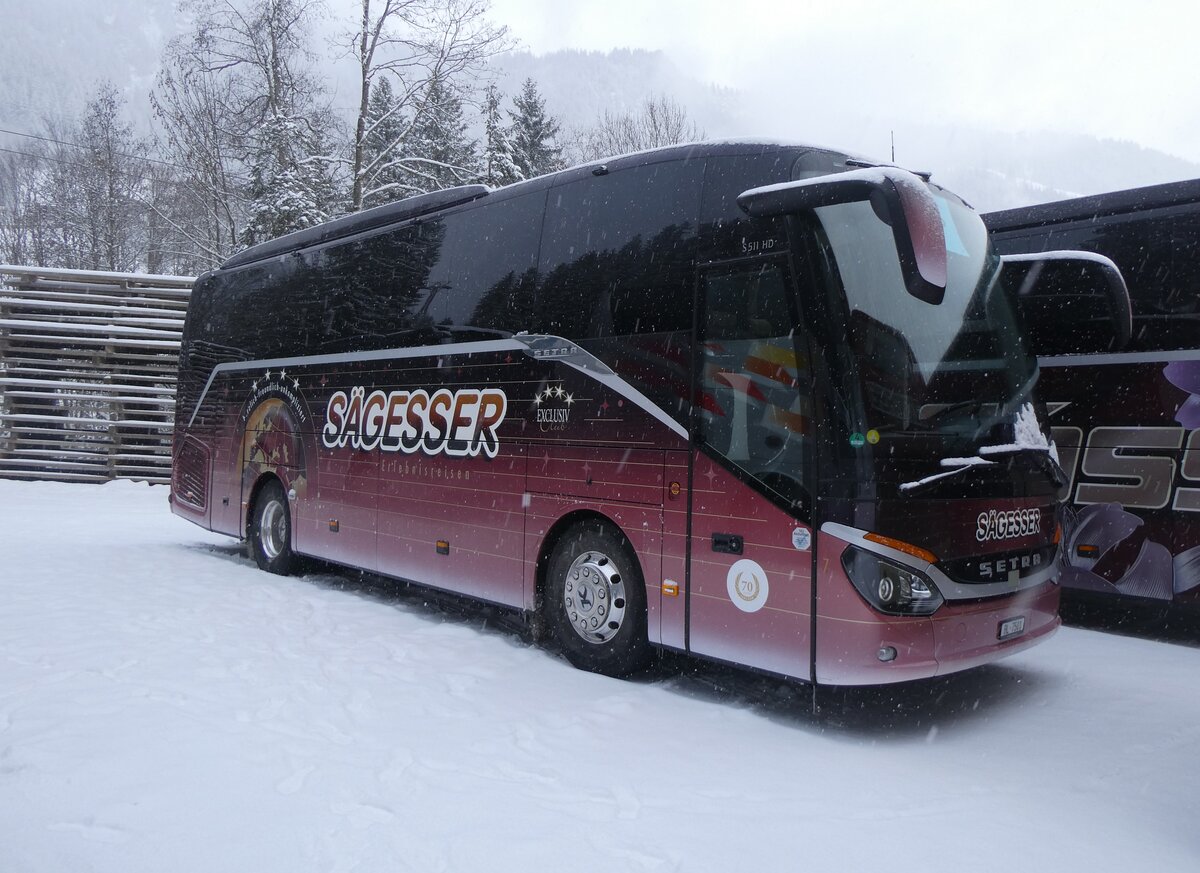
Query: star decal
x,y
282,375
254,385
268,375
295,383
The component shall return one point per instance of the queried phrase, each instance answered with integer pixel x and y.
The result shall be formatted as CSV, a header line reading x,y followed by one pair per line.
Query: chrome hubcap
x,y
594,597
273,531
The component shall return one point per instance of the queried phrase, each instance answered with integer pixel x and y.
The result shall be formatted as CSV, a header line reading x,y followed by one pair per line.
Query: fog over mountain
x,y
55,52
994,169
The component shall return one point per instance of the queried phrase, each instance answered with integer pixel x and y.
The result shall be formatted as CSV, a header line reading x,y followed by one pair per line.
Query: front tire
x,y
270,533
595,600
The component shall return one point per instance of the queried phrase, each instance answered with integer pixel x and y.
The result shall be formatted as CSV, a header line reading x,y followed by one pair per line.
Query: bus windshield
x,y
950,371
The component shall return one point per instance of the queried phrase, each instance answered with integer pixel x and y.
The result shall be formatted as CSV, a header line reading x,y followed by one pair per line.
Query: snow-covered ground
x,y
165,706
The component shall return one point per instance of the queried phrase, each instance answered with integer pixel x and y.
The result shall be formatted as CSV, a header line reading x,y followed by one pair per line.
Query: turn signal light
x,y
901,546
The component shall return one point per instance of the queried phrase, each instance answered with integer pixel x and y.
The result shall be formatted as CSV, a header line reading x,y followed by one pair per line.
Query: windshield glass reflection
x,y
953,368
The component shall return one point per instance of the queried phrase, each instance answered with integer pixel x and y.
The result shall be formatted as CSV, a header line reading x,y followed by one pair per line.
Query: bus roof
x,y
1095,206
389,213
425,204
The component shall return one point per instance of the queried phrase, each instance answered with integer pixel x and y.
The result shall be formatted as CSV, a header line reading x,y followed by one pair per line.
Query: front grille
x,y
996,567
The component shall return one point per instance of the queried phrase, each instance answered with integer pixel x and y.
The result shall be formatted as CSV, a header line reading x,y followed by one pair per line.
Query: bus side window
x,y
755,408
1178,325
482,277
617,252
1147,255
371,287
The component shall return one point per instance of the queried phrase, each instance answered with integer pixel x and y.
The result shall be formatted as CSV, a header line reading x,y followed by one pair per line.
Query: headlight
x,y
889,587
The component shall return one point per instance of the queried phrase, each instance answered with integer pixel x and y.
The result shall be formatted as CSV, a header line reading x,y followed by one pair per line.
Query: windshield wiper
x,y
1042,459
957,465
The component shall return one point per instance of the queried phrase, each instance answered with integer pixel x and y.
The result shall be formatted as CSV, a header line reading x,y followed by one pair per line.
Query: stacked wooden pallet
x,y
87,373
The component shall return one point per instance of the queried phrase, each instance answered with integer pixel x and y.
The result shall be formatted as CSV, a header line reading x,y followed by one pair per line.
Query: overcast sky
x,y
1122,70
943,76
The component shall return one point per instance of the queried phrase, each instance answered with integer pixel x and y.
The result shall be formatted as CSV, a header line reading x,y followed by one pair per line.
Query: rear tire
x,y
270,533
595,600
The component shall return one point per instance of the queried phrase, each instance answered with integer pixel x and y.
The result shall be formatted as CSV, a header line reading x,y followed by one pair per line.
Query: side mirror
x,y
900,198
1072,303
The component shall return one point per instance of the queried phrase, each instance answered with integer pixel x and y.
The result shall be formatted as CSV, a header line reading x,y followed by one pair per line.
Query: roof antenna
x,y
893,146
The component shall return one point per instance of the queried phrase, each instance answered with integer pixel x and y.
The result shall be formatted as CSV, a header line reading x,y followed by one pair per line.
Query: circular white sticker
x,y
802,538
747,584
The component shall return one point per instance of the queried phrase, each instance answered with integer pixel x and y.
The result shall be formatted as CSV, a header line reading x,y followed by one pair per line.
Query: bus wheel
x,y
595,601
270,532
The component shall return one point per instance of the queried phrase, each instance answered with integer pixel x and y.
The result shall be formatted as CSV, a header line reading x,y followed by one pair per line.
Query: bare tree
x,y
415,44
256,55
659,121
113,184
22,211
194,111
86,199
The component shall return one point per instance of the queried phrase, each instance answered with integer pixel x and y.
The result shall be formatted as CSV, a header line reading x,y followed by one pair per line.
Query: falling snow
x,y
165,706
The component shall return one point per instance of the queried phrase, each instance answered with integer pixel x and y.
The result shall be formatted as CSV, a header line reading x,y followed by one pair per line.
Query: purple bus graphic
x,y
711,398
1126,422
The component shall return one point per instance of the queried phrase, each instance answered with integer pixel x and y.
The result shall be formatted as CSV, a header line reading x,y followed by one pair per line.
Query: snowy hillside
x,y
56,52
164,706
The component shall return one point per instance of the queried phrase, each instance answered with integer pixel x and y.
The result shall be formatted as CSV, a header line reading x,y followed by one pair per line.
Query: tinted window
x,y
755,397
618,252
1179,305
1156,257
372,288
263,311
484,273
728,231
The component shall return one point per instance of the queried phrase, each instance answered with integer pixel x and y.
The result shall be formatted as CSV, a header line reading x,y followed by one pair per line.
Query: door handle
x,y
730,544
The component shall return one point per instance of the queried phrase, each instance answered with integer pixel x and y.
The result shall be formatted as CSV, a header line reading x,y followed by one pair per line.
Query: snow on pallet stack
x,y
87,373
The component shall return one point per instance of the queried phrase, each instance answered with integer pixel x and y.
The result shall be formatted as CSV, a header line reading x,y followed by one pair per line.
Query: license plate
x,y
1014,627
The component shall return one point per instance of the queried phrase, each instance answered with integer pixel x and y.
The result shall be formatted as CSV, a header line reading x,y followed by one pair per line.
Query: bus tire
x,y
270,532
595,600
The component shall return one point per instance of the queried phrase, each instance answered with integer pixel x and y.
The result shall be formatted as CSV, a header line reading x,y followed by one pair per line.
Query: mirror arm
x,y
898,197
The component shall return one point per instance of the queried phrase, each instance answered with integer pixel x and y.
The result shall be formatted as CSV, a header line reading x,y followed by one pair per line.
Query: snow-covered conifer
x,y
438,153
533,133
498,167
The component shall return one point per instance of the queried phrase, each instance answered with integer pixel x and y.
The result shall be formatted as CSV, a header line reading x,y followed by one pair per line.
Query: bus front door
x,y
750,580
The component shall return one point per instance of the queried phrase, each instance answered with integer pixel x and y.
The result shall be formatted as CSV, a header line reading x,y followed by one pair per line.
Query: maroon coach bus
x,y
1127,424
765,404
